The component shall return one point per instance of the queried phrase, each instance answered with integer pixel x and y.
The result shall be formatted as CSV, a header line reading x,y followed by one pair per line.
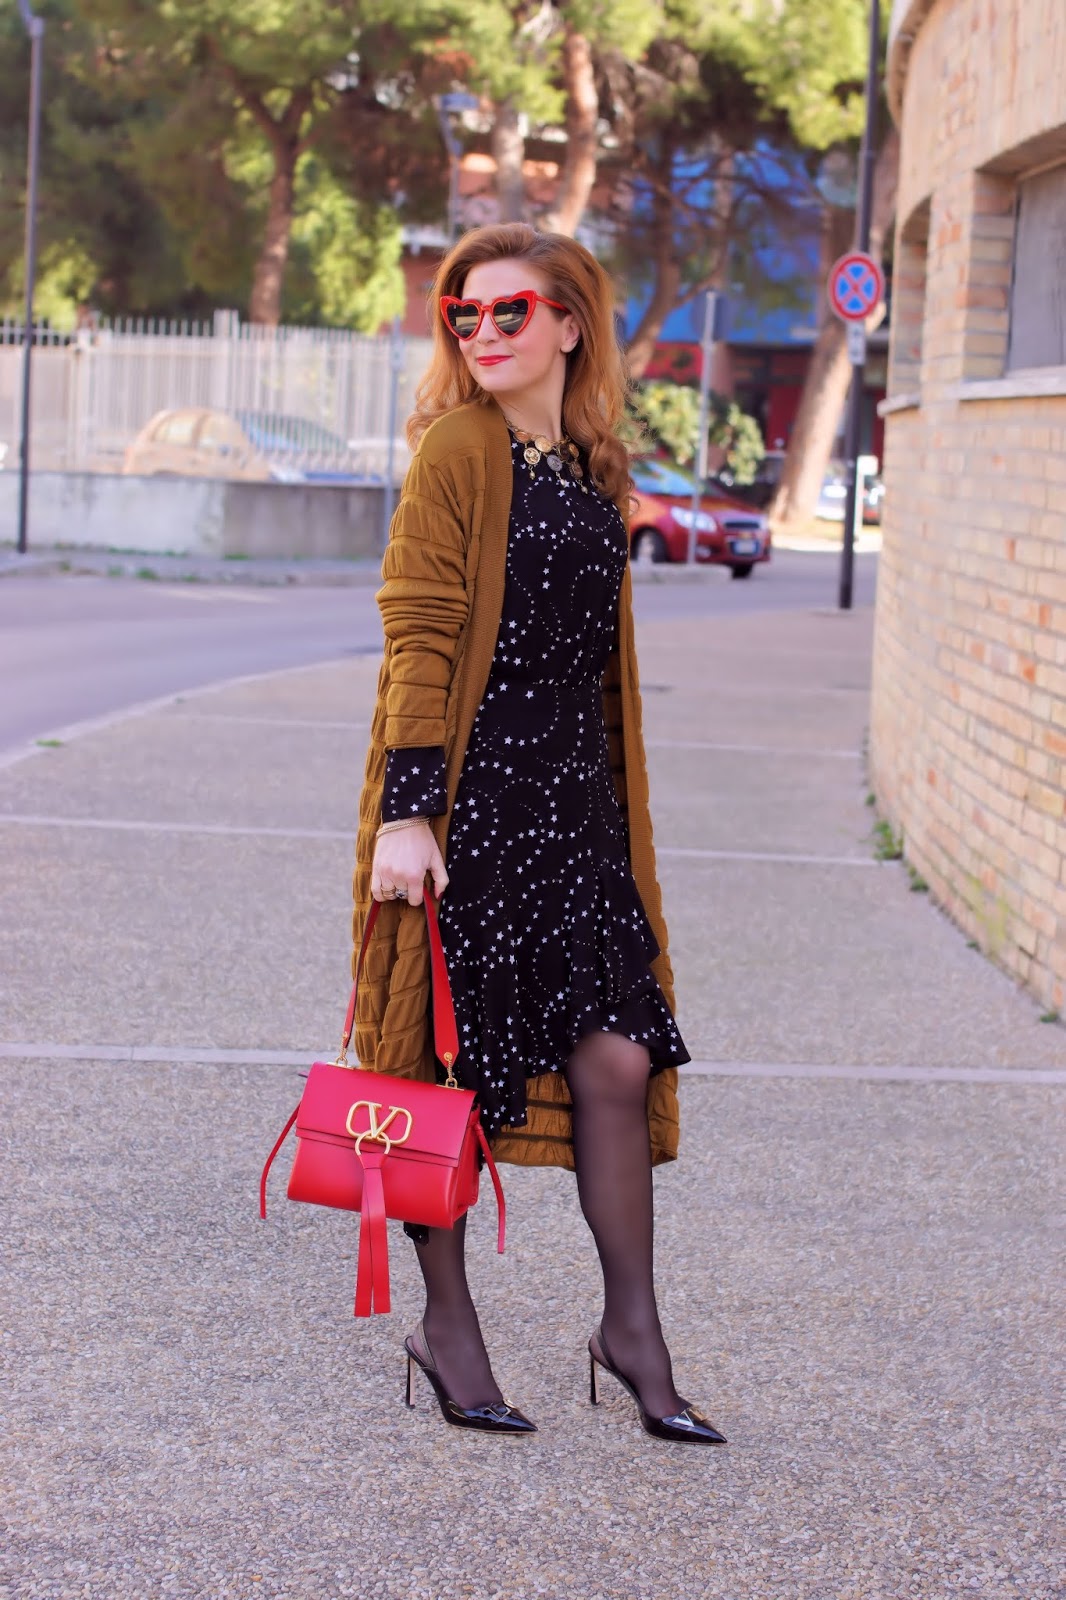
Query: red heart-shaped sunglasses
x,y
510,312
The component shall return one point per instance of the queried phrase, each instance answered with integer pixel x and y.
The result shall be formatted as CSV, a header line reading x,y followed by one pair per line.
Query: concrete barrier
x,y
195,516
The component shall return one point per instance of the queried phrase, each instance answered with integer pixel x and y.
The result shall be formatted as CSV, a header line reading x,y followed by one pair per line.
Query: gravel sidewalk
x,y
859,1266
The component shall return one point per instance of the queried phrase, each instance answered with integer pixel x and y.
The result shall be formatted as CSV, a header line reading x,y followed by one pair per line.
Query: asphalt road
x,y
73,648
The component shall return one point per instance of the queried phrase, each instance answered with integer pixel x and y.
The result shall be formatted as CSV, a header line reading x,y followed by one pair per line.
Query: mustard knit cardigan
x,y
441,605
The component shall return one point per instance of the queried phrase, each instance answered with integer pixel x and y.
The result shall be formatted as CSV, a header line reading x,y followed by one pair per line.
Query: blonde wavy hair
x,y
597,383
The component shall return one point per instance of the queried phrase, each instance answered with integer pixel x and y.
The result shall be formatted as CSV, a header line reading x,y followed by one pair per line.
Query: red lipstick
x,y
491,361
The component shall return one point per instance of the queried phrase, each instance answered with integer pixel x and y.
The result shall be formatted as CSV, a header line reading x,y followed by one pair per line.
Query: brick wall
x,y
968,722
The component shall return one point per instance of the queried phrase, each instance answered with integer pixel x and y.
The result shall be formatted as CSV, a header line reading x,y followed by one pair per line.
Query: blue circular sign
x,y
856,286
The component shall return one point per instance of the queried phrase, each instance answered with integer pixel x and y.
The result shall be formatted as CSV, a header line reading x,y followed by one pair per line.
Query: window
x,y
178,428
221,436
908,303
1038,286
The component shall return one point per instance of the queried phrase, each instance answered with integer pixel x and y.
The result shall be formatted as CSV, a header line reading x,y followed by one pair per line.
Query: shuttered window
x,y
1038,289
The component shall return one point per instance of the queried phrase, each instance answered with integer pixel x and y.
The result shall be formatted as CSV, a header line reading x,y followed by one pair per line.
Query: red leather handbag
x,y
389,1147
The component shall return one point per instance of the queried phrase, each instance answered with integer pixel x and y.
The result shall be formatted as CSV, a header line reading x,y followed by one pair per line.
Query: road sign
x,y
856,344
856,286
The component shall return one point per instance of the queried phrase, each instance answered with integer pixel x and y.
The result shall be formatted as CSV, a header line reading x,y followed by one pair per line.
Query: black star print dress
x,y
543,928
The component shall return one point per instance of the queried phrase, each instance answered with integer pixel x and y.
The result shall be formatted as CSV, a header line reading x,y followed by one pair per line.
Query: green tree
x,y
200,154
807,60
345,267
535,65
670,414
229,75
101,233
717,79
592,29
507,52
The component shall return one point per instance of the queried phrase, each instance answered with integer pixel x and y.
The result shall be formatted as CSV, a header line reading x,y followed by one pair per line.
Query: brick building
x,y
968,731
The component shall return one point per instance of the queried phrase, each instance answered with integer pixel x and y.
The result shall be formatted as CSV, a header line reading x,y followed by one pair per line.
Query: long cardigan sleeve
x,y
424,606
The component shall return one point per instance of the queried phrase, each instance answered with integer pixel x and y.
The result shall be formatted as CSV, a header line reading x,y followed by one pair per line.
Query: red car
x,y
728,533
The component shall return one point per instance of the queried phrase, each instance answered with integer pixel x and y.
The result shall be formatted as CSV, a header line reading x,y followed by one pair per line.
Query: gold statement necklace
x,y
561,455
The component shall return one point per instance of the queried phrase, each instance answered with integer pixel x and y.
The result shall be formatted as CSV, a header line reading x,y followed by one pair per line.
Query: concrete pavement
x,y
859,1272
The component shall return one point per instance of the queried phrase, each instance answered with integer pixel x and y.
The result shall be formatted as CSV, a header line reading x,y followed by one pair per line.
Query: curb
x,y
267,572
868,543
151,567
142,708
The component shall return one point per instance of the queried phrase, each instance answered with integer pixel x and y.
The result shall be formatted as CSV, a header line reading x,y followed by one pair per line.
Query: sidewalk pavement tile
x,y
837,965
733,800
190,770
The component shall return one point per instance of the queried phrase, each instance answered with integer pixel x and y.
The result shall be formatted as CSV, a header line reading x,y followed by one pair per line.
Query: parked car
x,y
255,447
831,501
319,455
727,532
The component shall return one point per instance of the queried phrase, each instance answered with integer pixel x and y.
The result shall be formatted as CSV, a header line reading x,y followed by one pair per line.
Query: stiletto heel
x,y
498,1418
687,1427
408,1401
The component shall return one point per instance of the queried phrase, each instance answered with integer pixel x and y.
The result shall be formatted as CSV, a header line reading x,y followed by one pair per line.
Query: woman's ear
x,y
570,334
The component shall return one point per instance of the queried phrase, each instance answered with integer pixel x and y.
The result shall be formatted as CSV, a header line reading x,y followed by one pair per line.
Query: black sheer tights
x,y
608,1080
450,1322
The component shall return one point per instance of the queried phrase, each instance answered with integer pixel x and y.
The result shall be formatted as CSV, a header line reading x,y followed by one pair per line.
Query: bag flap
x,y
419,1118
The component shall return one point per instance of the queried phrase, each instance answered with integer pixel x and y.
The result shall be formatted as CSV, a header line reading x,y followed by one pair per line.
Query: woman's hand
x,y
402,858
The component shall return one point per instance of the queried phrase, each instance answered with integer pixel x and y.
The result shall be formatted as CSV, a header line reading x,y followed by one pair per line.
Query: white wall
x,y
194,516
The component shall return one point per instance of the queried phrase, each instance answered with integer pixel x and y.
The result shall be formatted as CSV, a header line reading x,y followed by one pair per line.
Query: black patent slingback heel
x,y
498,1418
688,1426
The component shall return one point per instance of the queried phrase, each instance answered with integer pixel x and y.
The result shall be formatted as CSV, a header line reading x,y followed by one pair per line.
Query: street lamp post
x,y
707,352
853,415
449,105
35,28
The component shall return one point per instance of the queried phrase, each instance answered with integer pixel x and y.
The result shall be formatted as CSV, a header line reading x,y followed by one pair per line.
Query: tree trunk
x,y
284,137
666,283
582,147
825,388
508,152
810,445
265,304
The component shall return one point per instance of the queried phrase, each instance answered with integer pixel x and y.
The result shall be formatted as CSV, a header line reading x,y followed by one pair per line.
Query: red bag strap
x,y
501,1204
270,1162
445,1030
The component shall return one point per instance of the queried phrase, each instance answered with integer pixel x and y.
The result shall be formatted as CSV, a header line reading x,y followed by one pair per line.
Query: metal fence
x,y
321,397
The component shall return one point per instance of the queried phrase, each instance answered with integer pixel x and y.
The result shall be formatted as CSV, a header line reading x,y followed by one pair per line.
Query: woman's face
x,y
528,364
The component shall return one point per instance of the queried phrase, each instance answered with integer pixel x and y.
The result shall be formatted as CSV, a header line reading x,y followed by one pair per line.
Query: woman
x,y
507,729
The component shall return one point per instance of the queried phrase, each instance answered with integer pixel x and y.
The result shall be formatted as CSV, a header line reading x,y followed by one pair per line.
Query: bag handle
x,y
445,1029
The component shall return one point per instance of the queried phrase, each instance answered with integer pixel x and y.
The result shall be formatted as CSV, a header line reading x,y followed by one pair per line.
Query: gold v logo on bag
x,y
378,1131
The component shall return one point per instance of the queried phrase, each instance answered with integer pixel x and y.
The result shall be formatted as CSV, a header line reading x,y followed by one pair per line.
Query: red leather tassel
x,y
372,1273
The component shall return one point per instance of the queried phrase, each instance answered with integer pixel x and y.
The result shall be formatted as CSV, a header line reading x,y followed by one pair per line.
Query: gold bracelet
x,y
401,822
